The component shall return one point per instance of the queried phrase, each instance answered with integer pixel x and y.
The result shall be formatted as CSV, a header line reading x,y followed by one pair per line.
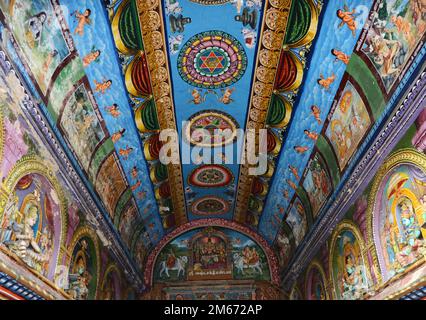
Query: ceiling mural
x,y
73,71
346,95
112,78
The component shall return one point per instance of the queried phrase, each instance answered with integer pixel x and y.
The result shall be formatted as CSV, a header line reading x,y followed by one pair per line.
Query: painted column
x,y
419,139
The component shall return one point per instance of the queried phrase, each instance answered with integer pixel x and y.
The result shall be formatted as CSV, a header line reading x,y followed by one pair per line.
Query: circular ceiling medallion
x,y
211,129
211,176
212,60
209,205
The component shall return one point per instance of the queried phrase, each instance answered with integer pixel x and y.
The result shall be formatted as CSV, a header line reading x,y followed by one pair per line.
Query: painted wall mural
x,y
398,28
316,283
37,30
296,219
44,234
84,266
377,250
211,253
317,183
348,124
33,220
74,71
349,273
397,213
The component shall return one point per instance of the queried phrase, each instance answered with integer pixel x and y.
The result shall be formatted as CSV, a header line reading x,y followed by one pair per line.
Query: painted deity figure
x,y
80,277
353,281
401,234
21,236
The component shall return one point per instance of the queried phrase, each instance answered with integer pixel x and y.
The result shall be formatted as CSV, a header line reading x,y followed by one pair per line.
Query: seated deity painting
x,y
82,276
399,219
349,271
211,253
31,224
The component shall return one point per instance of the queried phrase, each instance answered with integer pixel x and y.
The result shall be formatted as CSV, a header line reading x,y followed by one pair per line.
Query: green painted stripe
x,y
368,83
149,116
124,199
129,27
68,76
103,151
329,158
299,20
276,112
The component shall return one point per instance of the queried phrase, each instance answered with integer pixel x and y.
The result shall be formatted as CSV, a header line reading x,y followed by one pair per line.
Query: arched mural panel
x,y
316,283
33,216
84,266
211,253
211,249
396,214
110,288
348,269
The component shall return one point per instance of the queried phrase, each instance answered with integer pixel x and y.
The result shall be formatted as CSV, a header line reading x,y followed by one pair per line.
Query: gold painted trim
x,y
347,225
155,44
272,33
403,156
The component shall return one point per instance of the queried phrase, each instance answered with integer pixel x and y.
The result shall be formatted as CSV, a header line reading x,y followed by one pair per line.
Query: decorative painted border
x,y
154,40
403,156
206,113
219,167
347,225
270,254
274,25
196,202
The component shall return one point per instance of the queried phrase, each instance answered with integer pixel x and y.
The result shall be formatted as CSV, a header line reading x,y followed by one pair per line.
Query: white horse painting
x,y
179,265
241,265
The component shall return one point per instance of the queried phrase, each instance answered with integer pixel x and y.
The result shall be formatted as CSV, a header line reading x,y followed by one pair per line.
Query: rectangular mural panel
x,y
110,183
398,28
39,35
349,122
317,183
81,125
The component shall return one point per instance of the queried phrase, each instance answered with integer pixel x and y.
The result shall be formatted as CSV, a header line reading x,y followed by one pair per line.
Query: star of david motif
x,y
212,62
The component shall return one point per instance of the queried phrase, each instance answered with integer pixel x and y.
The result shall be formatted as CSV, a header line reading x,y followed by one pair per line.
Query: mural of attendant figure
x,y
82,20
79,281
35,28
353,282
93,56
177,23
411,238
25,245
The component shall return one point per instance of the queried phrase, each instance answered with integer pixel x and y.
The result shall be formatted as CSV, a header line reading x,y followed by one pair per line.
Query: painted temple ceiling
x,y
111,75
